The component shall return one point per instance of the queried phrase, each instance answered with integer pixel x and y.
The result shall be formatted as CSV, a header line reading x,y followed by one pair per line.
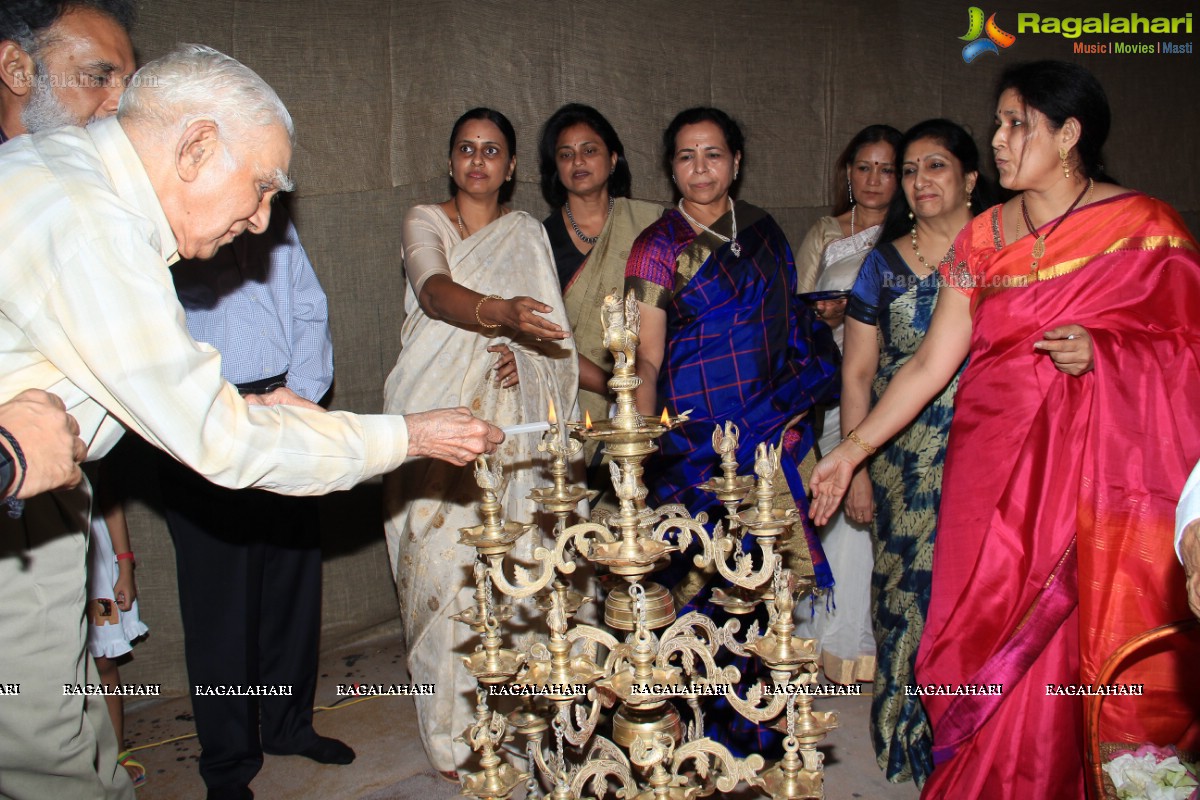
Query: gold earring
x,y
1062,156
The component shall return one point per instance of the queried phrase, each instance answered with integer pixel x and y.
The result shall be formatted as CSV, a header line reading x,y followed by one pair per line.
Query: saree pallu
x,y
840,264
1056,526
603,273
426,501
810,254
740,346
841,625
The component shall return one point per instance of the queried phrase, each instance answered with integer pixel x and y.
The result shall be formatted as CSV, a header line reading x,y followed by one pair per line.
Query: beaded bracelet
x,y
15,506
8,471
861,442
479,305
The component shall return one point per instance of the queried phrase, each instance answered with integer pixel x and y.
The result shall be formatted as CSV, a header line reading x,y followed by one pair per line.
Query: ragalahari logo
x,y
996,38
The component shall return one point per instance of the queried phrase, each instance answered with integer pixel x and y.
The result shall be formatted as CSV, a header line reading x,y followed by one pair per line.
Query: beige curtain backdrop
x,y
375,85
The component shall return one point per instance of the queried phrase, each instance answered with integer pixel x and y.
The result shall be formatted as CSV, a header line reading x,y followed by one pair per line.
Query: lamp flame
x,y
587,420
665,419
553,418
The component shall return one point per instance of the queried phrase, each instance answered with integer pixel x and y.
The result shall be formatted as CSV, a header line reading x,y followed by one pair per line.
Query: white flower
x,y
1146,778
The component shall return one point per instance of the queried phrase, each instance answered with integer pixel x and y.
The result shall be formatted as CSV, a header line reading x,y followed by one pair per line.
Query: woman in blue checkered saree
x,y
724,335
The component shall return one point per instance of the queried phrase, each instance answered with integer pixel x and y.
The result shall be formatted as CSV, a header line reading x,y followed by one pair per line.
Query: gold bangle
x,y
479,305
870,449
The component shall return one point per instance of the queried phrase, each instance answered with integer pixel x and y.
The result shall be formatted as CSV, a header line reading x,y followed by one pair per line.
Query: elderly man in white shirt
x,y
1187,537
90,221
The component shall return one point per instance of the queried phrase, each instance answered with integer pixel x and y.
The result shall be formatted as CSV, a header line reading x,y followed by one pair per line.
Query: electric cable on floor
x,y
335,707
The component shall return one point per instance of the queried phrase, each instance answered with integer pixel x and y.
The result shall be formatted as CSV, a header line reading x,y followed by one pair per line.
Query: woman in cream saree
x,y
451,362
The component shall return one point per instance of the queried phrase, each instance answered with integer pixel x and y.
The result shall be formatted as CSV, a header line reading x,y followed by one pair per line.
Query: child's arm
x,y
114,517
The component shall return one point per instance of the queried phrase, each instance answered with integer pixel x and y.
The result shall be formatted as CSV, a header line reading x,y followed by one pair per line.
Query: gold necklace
x,y
463,233
916,250
462,229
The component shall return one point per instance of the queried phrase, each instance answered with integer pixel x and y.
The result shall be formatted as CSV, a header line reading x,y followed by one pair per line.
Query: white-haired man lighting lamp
x,y
90,221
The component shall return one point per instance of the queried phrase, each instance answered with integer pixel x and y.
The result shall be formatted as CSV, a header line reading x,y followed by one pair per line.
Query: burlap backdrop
x,y
374,86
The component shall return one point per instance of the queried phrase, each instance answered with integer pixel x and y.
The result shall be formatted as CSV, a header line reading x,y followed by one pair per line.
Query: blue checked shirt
x,y
259,303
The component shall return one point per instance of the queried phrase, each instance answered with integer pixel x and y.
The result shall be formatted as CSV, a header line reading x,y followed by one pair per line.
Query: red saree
x,y
1056,541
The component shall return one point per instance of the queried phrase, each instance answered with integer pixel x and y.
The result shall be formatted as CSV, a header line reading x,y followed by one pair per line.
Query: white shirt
x,y
1189,508
88,311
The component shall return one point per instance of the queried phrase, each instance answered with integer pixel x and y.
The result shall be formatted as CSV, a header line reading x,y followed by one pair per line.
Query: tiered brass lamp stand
x,y
643,656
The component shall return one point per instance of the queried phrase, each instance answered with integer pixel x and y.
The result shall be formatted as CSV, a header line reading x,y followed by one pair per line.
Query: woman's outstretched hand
x,y
829,483
523,314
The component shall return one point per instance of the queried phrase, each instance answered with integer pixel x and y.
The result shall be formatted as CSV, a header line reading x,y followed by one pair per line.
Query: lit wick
x,y
562,428
664,419
587,420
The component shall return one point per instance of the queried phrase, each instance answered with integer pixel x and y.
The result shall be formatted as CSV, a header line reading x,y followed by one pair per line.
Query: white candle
x,y
526,427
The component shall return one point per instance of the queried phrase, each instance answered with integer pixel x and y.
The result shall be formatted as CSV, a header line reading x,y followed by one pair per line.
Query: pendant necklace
x,y
734,248
1039,246
582,237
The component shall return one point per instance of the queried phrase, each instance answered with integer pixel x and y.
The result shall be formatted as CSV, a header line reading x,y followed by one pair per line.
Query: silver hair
x,y
197,82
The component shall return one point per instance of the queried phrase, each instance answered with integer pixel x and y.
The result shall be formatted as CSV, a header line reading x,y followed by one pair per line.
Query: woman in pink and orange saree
x,y
1075,425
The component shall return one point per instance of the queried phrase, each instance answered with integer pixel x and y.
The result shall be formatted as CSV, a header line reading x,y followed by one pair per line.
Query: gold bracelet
x,y
479,305
861,442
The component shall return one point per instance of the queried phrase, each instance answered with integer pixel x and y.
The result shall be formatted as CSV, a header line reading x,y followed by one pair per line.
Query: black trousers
x,y
249,567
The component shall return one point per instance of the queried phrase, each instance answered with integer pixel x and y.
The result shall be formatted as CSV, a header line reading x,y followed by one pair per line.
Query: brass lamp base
x,y
631,723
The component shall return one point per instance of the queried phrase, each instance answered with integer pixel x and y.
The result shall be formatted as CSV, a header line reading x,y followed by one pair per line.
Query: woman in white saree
x,y
474,335
832,254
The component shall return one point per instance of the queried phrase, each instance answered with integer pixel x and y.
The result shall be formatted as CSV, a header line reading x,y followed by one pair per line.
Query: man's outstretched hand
x,y
451,434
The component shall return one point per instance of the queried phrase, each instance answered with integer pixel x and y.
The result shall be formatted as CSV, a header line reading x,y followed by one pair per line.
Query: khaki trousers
x,y
54,744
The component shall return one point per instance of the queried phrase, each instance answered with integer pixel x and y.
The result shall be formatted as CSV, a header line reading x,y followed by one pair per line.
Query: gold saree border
x,y
1064,268
648,292
694,256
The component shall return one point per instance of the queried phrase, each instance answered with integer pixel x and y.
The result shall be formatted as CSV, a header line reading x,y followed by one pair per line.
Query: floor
x,y
391,764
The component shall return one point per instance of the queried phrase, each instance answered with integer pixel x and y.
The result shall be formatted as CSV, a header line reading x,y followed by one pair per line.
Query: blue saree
x,y
740,346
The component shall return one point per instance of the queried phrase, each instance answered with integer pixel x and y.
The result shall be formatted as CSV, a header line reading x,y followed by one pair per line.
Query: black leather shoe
x,y
234,792
326,750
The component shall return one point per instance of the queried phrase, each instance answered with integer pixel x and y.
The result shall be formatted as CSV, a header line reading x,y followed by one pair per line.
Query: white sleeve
x,y
1189,508
425,251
